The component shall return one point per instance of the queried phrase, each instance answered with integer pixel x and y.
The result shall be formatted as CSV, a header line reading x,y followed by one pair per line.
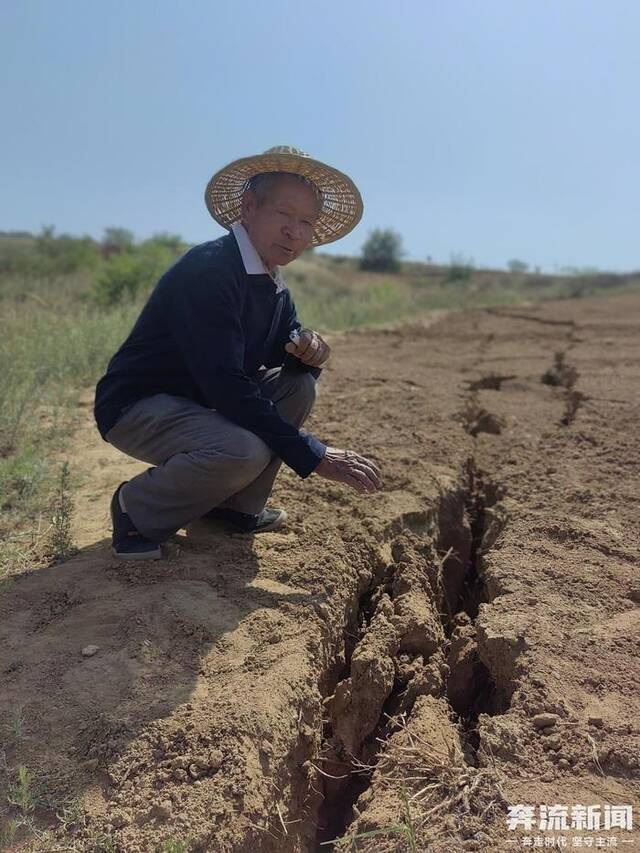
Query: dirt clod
x,y
545,721
161,811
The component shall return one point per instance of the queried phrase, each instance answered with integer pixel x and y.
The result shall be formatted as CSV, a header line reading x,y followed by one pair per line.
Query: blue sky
x,y
493,128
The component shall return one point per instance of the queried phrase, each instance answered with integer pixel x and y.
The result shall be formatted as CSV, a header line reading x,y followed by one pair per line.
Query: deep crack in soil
x,y
384,664
447,549
565,375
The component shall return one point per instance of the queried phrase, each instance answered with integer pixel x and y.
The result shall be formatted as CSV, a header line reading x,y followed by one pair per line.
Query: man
x,y
217,376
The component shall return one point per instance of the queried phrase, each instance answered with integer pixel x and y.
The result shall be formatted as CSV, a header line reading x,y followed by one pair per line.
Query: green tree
x,y
460,268
116,240
514,265
382,251
174,242
59,255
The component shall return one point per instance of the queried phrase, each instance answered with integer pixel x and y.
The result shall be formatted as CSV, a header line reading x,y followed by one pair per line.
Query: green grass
x,y
46,356
405,830
20,793
175,846
14,731
8,832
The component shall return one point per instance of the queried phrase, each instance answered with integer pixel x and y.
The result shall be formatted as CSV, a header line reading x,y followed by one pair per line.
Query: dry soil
x,y
465,640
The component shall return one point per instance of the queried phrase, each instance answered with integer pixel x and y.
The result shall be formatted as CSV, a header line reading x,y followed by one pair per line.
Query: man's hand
x,y
348,467
309,348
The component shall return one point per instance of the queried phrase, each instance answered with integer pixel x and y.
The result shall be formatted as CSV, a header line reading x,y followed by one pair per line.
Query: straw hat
x,y
342,203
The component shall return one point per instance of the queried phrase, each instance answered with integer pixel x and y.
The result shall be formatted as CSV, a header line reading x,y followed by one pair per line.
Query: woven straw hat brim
x,y
342,204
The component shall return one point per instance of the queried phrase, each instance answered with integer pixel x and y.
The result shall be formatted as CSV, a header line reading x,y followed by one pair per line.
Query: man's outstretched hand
x,y
348,467
309,348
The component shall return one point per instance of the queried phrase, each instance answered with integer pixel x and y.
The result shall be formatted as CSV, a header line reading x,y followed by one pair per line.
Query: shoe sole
x,y
149,555
276,524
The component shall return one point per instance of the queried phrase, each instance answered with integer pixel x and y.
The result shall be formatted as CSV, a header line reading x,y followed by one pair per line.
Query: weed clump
x,y
20,793
61,539
460,268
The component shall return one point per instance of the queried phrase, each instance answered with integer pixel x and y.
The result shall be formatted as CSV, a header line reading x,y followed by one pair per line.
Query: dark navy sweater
x,y
203,334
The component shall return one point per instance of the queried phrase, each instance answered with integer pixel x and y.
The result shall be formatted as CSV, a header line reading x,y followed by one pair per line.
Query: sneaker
x,y
268,519
127,542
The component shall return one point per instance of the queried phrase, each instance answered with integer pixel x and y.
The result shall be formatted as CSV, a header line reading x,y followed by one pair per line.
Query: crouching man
x,y
217,375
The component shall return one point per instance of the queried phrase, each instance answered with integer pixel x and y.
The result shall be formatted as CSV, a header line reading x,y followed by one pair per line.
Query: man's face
x,y
281,226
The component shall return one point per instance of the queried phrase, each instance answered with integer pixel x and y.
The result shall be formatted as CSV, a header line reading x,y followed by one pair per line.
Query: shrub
x,y
116,240
48,256
382,251
460,268
173,242
127,274
514,265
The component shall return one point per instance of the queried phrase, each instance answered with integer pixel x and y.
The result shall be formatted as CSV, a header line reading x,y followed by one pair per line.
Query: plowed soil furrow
x,y
384,662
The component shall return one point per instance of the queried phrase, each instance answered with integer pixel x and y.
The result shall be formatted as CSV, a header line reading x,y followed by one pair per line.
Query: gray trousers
x,y
202,459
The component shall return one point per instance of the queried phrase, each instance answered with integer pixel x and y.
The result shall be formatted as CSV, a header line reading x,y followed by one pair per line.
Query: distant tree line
x,y
118,266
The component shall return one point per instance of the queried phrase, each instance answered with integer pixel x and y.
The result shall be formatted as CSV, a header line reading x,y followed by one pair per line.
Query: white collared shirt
x,y
253,263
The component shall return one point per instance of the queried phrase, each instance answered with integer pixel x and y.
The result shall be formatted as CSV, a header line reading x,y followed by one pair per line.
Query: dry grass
x,y
436,789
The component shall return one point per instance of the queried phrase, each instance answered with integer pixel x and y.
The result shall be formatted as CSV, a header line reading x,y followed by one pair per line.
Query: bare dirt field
x,y
417,661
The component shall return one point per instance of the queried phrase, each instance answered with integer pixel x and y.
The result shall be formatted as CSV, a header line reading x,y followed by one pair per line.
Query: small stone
x,y
598,722
549,776
215,759
193,771
564,764
482,836
544,720
89,651
180,775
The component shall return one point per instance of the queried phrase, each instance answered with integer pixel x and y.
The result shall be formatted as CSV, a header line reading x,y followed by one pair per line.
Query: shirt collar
x,y
253,264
